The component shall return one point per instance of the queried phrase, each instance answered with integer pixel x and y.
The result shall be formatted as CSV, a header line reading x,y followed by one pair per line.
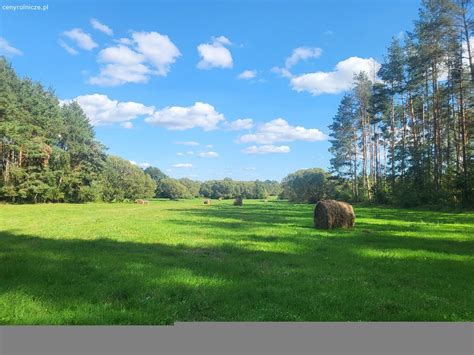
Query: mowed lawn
x,y
183,261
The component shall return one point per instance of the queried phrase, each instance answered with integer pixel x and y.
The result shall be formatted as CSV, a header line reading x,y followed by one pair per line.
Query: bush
x,y
173,189
307,185
123,180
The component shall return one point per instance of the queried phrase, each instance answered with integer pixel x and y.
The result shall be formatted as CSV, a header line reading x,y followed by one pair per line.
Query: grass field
x,y
184,261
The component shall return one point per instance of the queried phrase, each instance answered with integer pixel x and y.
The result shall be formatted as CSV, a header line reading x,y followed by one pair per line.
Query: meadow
x,y
170,261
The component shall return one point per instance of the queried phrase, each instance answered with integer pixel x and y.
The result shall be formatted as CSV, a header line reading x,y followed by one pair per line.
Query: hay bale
x,y
221,198
141,202
329,214
238,201
207,201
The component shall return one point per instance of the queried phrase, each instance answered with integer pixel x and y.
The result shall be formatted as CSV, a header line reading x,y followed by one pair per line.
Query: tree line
x,y
49,153
406,138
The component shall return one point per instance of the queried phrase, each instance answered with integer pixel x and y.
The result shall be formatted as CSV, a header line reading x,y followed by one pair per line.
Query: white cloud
x,y
191,143
126,41
158,49
215,54
209,155
101,27
120,54
282,71
279,130
116,74
239,124
336,81
250,168
127,125
247,74
181,154
140,165
183,165
266,149
7,49
121,65
209,146
102,111
68,49
136,60
200,115
302,53
82,39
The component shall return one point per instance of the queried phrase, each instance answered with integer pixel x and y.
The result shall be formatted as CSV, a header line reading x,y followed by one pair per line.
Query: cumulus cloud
x,y
200,115
209,155
82,39
247,74
7,49
191,143
136,59
68,48
127,125
282,72
239,124
158,49
215,54
121,65
266,149
336,81
302,53
279,130
101,27
101,110
181,154
183,166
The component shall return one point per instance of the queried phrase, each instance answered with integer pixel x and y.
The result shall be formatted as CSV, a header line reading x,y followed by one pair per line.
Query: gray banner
x,y
243,338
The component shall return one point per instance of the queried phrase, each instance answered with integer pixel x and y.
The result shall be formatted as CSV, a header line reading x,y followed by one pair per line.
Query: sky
x,y
205,89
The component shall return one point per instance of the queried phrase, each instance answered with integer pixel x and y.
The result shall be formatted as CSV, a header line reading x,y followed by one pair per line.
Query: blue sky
x,y
206,89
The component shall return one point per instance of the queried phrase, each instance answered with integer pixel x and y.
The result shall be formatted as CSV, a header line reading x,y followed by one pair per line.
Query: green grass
x,y
184,261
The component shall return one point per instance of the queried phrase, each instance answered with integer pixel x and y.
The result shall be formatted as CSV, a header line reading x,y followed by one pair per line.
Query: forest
x,y
406,136
402,137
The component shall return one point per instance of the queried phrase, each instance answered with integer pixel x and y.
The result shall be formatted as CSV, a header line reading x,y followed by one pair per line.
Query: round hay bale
x,y
329,214
207,201
238,201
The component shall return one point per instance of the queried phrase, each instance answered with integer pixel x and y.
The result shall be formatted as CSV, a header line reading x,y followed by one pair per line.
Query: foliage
x,y
124,181
47,152
173,189
307,185
229,189
408,139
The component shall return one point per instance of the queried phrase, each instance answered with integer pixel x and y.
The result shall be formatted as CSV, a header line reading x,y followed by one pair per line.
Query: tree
x,y
421,113
47,152
344,143
191,186
307,185
173,189
124,181
157,175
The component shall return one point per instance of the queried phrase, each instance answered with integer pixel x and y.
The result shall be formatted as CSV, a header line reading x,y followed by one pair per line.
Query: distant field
x,y
184,261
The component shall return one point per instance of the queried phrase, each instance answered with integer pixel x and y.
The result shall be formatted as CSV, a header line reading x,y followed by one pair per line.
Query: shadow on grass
x,y
102,281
